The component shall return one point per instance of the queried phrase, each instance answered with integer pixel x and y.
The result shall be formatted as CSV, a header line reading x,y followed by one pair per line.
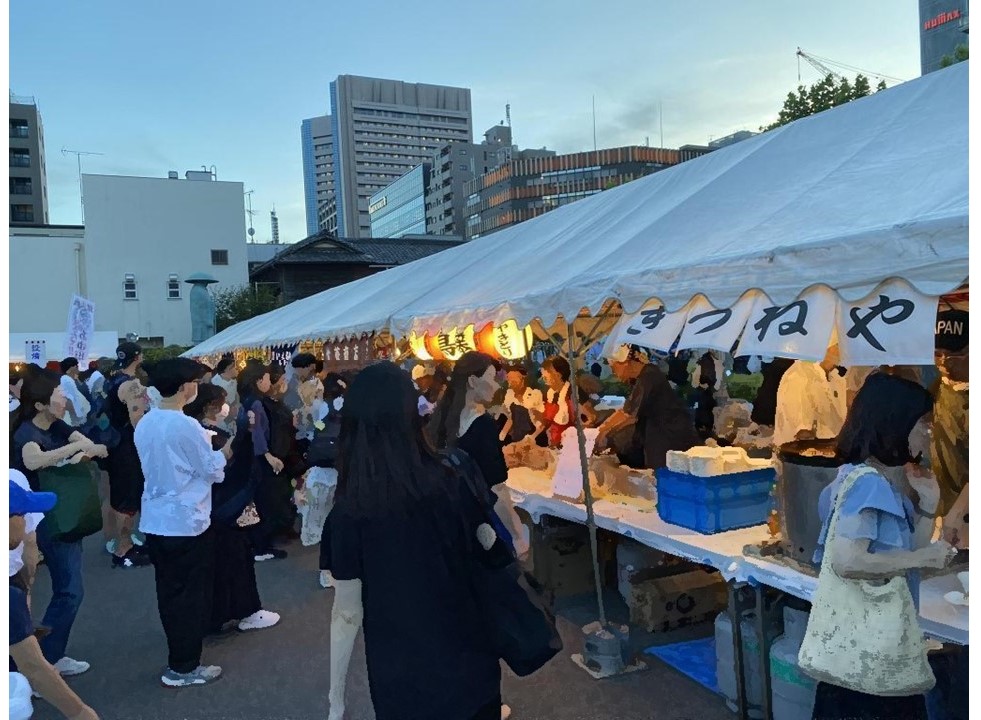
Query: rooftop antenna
x,y
594,123
660,120
78,156
507,113
250,213
275,226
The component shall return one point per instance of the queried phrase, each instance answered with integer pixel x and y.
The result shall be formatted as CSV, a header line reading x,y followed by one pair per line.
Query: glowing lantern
x,y
432,349
418,345
511,343
485,341
455,343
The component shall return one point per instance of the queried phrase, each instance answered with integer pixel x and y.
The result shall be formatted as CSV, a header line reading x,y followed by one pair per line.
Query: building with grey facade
x,y
317,144
943,27
28,176
454,166
381,130
731,139
400,209
527,187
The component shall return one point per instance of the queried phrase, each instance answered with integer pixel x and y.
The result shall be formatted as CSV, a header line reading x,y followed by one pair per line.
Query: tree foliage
x,y
960,55
823,95
233,305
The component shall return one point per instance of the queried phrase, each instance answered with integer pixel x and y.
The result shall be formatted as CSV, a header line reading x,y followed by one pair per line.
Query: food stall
x,y
849,223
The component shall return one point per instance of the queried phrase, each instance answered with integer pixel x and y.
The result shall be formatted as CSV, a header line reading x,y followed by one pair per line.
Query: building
x,y
317,144
943,27
28,176
381,130
731,139
323,261
142,238
454,166
259,253
527,187
400,209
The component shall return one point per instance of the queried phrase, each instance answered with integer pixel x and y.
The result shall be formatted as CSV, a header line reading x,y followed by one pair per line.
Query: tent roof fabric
x,y
871,190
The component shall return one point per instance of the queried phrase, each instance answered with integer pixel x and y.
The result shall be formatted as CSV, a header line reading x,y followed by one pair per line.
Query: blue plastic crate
x,y
715,504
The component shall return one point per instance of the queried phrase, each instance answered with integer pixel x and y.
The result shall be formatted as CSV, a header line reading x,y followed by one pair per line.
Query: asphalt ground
x,y
283,673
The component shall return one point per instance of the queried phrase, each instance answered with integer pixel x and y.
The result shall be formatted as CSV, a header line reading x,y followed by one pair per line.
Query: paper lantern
x,y
418,345
432,349
453,344
485,340
511,343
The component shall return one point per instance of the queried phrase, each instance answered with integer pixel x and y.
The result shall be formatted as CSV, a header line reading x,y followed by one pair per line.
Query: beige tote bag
x,y
864,635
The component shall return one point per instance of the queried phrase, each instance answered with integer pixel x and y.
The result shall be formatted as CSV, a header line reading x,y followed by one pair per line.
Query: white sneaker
x,y
259,621
326,579
505,712
263,558
68,667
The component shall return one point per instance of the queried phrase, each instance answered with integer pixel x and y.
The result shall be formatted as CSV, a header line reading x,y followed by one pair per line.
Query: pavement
x,y
283,673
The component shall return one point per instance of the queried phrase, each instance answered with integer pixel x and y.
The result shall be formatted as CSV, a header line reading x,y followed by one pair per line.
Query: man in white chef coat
x,y
812,401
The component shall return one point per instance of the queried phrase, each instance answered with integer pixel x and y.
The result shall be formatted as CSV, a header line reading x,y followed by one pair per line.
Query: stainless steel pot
x,y
801,480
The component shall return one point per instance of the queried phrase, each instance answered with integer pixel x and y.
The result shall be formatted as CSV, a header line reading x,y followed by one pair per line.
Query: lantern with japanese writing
x,y
511,343
432,348
454,343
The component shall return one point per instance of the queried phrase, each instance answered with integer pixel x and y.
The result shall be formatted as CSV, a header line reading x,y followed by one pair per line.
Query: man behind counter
x,y
660,419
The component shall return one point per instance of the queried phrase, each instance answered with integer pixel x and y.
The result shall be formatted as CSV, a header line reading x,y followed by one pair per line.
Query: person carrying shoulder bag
x,y
863,643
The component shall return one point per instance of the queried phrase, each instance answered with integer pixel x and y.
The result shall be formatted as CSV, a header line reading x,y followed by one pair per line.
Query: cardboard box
x,y
677,601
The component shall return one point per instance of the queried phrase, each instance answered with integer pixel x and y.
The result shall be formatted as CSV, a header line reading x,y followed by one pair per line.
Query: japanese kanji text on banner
x,y
81,328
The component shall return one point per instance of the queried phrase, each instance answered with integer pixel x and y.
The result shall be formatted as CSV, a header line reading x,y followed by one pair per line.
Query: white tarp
x,y
873,190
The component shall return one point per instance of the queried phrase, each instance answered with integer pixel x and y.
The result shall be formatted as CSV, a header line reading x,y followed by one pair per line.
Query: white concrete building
x,y
142,238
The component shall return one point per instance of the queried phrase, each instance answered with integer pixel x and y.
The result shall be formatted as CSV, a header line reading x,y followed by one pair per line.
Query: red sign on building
x,y
941,19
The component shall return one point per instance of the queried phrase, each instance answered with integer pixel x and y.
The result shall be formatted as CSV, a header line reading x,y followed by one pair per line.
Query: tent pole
x,y
584,462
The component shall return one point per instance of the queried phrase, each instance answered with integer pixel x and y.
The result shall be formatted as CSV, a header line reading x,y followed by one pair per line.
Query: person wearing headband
x,y
660,419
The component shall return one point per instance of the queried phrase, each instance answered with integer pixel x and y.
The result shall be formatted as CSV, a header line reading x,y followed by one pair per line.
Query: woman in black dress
x,y
400,541
236,594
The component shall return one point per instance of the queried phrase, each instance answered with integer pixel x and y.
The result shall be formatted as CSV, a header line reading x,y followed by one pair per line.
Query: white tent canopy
x,y
873,190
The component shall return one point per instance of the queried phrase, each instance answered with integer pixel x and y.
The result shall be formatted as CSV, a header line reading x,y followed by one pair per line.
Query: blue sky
x,y
178,85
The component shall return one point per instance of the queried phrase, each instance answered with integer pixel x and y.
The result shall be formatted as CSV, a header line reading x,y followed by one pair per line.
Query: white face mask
x,y
223,413
194,395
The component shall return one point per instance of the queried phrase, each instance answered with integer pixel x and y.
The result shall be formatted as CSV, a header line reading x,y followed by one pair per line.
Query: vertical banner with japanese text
x,y
81,328
36,352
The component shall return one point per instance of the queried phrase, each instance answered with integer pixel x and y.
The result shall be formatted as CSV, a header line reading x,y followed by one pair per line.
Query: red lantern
x,y
485,341
433,348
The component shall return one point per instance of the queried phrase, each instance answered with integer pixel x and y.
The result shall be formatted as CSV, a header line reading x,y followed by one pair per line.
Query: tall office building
x,y
317,142
28,178
943,27
381,130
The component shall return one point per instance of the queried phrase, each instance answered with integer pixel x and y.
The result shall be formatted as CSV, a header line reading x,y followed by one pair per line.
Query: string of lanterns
x,y
506,341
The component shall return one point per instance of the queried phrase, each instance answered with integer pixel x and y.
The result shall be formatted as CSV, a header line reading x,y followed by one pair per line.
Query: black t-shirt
x,y
54,438
663,421
482,442
424,640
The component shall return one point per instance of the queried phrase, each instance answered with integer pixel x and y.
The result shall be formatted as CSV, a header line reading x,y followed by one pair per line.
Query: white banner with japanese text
x,y
81,328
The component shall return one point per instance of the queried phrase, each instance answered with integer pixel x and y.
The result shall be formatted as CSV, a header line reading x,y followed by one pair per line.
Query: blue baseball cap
x,y
25,501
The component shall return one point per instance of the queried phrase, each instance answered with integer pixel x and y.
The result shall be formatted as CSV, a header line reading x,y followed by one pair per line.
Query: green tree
x,y
960,55
233,305
822,95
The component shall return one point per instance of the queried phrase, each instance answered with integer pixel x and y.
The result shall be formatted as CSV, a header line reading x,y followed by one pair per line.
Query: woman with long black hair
x,y
878,520
399,541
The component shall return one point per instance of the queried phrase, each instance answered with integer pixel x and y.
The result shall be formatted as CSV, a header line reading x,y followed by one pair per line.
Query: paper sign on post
x,y
81,328
36,352
567,480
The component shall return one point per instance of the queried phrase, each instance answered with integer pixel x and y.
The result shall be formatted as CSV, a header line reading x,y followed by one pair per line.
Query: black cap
x,y
126,353
951,334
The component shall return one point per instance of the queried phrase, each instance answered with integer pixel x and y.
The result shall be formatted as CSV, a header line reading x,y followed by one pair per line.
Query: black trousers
x,y
185,584
272,502
837,703
236,595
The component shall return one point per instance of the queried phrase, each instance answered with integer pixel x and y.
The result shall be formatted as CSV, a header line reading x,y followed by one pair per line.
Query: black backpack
x,y
324,446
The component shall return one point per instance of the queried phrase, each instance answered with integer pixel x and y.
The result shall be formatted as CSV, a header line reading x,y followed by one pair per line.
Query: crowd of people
x,y
202,472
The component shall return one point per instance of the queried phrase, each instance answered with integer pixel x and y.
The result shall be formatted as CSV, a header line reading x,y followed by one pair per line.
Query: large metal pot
x,y
801,480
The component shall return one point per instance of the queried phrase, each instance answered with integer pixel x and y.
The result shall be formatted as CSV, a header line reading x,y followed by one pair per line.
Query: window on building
x,y
129,287
464,167
18,128
22,213
173,287
219,257
20,186
20,157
